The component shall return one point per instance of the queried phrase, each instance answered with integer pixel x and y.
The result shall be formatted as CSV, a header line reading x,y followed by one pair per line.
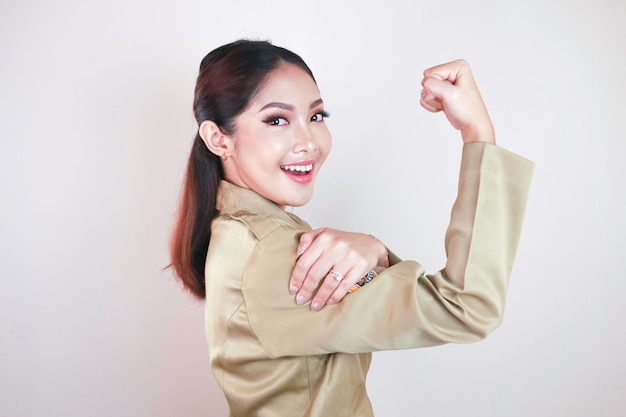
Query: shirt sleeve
x,y
405,307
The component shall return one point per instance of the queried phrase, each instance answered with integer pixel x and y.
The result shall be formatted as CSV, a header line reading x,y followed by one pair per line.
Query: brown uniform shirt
x,y
272,357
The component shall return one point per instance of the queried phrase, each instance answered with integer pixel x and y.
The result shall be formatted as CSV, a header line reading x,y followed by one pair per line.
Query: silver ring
x,y
338,277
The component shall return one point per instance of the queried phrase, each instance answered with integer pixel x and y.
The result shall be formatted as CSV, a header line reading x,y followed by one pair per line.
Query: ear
x,y
216,141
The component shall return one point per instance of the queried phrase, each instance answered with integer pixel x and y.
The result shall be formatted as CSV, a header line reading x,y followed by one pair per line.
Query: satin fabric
x,y
272,357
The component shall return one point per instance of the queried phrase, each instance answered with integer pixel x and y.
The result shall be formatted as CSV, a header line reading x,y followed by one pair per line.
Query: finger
x,y
332,293
308,257
438,89
324,253
355,275
431,105
332,281
306,239
302,271
316,262
311,284
451,71
429,102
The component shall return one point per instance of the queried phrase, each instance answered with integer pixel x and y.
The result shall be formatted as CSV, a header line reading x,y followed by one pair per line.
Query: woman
x,y
261,141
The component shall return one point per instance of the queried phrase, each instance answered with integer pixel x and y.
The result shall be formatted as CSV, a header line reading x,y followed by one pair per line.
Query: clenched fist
x,y
451,88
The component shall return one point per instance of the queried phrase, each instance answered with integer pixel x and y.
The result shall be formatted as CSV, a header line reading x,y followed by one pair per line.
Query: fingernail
x,y
315,306
293,290
300,300
300,250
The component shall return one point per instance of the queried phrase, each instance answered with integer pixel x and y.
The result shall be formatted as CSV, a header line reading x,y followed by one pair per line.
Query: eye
x,y
319,116
276,121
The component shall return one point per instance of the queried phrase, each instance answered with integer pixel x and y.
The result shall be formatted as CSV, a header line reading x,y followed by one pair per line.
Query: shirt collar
x,y
233,199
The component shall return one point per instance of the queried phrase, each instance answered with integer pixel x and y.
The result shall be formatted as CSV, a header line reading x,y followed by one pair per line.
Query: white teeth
x,y
299,168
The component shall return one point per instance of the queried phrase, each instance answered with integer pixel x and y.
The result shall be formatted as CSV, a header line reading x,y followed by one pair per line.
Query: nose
x,y
305,139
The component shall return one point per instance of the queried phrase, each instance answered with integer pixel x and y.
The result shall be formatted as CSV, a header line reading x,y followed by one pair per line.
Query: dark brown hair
x,y
229,78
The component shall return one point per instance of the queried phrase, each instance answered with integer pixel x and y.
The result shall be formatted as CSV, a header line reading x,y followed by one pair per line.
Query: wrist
x,y
383,253
480,132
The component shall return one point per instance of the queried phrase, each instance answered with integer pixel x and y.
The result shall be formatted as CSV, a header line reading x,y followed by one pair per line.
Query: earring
x,y
224,157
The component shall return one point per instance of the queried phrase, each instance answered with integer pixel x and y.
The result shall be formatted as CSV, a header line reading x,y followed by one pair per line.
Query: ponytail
x,y
229,78
196,210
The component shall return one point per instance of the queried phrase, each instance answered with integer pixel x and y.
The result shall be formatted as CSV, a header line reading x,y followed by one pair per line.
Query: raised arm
x,y
405,307
331,261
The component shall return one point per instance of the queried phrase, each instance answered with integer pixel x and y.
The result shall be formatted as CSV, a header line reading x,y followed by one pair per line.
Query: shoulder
x,y
249,245
244,237
260,226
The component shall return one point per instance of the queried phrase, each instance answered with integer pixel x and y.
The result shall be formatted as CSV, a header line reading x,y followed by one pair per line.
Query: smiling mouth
x,y
297,169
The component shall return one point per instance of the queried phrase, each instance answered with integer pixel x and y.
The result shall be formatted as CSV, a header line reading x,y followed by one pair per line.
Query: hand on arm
x,y
350,255
451,88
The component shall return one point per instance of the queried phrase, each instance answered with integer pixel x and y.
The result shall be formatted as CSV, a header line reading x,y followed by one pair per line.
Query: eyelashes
x,y
280,120
275,121
322,115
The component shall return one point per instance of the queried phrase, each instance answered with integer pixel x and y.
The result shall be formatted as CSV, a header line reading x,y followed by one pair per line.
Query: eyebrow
x,y
289,106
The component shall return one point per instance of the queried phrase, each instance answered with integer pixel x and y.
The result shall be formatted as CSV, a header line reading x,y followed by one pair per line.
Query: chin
x,y
299,200
298,203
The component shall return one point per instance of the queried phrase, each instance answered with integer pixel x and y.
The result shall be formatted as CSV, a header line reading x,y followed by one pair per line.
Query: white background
x,y
96,125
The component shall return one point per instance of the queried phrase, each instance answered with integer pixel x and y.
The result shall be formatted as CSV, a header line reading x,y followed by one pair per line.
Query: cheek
x,y
326,143
260,150
276,146
247,143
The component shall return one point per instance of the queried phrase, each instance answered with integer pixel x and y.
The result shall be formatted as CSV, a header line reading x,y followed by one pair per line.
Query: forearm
x,y
482,238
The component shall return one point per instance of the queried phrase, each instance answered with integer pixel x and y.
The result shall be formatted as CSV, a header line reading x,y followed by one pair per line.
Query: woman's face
x,y
281,139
